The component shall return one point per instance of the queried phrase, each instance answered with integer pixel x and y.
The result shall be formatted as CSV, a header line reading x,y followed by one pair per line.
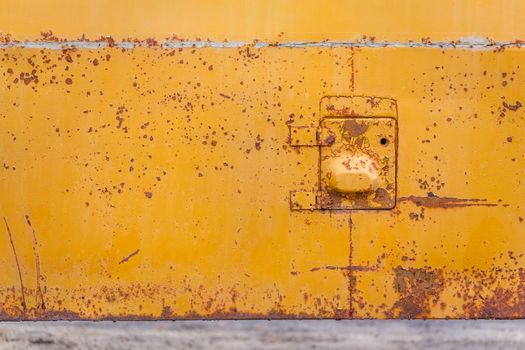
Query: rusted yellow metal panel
x,y
179,177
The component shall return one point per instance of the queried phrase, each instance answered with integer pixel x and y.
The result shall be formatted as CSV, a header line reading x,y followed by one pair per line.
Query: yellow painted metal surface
x,y
147,165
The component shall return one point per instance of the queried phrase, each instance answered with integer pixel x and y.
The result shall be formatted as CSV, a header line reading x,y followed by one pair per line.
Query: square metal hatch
x,y
358,168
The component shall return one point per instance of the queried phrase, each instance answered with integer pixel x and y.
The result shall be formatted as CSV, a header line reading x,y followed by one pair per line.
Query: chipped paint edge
x,y
463,44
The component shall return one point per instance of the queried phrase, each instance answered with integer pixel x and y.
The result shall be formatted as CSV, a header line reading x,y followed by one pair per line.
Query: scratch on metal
x,y
126,259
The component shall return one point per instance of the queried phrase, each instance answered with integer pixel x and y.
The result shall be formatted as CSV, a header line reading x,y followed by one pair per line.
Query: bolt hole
x,y
384,141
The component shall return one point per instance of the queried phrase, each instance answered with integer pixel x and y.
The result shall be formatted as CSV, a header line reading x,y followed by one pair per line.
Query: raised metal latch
x,y
357,143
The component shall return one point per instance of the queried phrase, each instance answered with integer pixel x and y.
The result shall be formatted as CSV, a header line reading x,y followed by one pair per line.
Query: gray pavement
x,y
231,335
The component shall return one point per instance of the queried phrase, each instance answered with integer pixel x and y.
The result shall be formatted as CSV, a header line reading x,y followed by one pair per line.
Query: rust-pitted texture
x,y
149,176
459,214
418,289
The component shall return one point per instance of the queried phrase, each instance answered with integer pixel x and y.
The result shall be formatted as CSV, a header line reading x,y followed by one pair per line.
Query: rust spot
x,y
60,315
353,128
382,197
497,301
419,289
513,107
148,194
258,142
69,81
167,313
502,304
49,36
150,42
329,139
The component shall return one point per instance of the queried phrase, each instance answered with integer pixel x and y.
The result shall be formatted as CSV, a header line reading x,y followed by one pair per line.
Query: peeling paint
x,y
463,44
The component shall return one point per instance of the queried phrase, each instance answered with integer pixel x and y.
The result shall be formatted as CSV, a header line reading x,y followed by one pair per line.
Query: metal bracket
x,y
357,165
306,200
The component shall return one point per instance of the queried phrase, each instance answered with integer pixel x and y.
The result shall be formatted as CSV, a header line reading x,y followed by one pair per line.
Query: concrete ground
x,y
399,335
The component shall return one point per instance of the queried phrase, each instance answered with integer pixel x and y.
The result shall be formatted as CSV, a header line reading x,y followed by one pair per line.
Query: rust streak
x,y
36,254
129,256
446,202
345,268
17,265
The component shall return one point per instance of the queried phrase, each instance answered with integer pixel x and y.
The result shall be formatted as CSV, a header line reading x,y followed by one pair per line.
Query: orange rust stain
x,y
353,128
419,289
434,201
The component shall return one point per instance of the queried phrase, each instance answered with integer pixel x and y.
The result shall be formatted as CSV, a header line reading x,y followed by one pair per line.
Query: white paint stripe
x,y
465,44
